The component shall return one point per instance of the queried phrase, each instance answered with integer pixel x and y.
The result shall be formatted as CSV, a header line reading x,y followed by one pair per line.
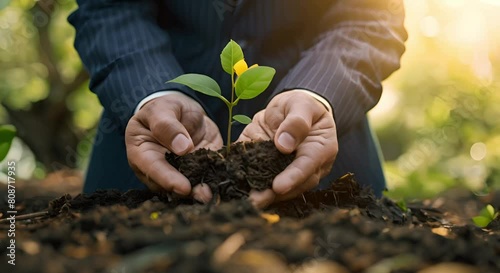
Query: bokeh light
x,y
478,151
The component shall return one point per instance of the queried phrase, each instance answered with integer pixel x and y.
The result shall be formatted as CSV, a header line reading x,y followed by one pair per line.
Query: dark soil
x,y
342,229
249,165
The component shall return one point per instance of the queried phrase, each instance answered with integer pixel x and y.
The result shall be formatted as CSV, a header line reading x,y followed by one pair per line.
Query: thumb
x,y
293,130
168,130
181,144
172,135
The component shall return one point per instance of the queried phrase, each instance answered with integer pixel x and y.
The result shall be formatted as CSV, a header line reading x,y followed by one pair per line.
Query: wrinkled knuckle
x,y
268,117
298,122
151,106
276,99
259,115
160,124
194,122
303,97
195,117
132,125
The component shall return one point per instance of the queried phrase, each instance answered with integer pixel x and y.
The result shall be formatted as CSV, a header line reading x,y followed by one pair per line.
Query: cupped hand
x,y
298,122
174,123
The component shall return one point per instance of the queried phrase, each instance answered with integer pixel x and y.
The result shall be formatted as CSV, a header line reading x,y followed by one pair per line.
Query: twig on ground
x,y
26,216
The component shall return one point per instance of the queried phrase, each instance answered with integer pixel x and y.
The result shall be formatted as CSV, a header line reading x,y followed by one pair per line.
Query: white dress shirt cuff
x,y
152,97
165,93
318,98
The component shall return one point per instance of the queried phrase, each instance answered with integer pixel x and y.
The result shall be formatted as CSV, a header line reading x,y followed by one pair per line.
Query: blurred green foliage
x,y
43,89
23,80
437,120
7,134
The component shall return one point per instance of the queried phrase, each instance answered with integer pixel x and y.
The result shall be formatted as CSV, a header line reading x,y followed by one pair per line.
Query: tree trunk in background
x,y
47,126
48,131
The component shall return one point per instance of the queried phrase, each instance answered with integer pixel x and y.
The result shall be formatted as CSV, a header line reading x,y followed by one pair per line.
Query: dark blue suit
x,y
341,50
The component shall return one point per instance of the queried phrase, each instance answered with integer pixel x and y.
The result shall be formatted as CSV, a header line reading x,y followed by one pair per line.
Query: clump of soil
x,y
249,165
346,193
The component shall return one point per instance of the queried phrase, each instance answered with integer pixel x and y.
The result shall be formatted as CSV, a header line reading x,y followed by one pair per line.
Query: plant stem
x,y
230,118
228,147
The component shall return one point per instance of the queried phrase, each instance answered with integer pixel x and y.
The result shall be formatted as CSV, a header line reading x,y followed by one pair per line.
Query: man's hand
x,y
173,123
296,122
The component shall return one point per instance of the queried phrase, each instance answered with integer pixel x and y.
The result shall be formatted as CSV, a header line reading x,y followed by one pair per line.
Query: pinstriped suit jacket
x,y
340,49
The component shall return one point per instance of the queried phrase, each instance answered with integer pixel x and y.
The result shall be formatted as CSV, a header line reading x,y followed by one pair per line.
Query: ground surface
x,y
341,230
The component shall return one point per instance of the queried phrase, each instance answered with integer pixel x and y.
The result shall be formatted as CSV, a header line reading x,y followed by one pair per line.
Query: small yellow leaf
x,y
240,67
441,231
271,218
154,215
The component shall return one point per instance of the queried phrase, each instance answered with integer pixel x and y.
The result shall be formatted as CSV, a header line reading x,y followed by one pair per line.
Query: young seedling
x,y
7,134
485,217
402,205
246,82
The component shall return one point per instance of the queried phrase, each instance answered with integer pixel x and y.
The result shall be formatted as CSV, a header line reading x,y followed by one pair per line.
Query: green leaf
x,y
7,134
231,54
242,119
481,221
402,205
490,211
200,83
254,81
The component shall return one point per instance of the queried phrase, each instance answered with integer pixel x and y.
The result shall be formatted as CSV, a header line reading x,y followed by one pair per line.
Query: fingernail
x,y
259,199
199,198
202,193
287,141
180,144
256,204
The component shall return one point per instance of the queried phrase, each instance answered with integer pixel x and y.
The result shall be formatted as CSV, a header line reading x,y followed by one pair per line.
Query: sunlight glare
x,y
470,29
383,112
492,2
454,3
429,26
